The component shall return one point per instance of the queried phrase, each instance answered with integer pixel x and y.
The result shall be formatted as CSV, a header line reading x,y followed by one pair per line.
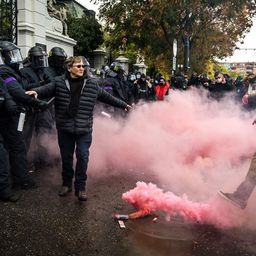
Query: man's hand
x,y
32,93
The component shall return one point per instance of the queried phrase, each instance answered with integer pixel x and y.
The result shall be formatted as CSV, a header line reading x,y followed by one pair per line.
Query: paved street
x,y
42,223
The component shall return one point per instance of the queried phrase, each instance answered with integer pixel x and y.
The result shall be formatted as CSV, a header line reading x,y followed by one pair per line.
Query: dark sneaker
x,y
234,200
64,190
81,195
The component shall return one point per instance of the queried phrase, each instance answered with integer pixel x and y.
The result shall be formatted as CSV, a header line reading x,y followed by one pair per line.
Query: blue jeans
x,y
80,143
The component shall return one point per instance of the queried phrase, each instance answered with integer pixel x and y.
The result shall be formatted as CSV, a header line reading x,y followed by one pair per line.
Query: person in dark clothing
x,y
142,87
56,58
249,97
240,89
41,123
115,80
75,98
13,139
179,81
220,86
7,107
194,80
132,88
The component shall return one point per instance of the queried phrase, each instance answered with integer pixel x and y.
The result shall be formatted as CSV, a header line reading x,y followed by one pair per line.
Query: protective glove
x,y
41,105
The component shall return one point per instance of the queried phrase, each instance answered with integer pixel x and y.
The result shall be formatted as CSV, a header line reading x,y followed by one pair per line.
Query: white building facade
x,y
36,27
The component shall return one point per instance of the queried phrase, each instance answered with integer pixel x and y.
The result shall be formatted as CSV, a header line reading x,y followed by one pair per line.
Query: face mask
x,y
133,78
14,60
219,80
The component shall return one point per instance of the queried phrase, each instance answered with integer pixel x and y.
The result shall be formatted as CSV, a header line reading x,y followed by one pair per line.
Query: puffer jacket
x,y
82,121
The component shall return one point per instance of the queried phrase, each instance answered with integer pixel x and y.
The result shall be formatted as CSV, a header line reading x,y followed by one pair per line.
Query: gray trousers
x,y
246,188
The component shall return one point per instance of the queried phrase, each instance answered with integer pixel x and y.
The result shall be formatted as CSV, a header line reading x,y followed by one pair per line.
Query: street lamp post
x,y
174,58
185,40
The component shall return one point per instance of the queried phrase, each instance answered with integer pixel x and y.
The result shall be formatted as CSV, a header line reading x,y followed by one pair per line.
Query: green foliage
x,y
87,32
235,74
221,68
214,27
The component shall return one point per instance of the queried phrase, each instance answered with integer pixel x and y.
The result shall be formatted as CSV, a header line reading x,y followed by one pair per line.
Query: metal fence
x,y
8,20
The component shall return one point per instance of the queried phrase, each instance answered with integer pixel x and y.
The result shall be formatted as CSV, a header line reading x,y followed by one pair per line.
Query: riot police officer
x,y
6,106
14,140
40,121
56,58
115,79
34,72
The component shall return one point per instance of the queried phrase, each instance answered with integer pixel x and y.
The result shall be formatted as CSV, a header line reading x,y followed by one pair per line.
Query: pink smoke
x,y
206,144
148,198
189,144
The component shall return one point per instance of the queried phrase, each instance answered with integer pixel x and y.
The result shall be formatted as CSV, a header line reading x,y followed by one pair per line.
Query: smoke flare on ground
x,y
148,198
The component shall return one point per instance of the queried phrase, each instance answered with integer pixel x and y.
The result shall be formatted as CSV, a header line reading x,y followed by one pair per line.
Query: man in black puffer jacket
x,y
75,98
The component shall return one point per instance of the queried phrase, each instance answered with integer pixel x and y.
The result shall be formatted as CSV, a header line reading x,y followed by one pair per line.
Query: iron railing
x,y
8,20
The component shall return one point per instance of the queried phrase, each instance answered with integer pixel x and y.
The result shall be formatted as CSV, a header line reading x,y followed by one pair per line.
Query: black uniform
x,y
5,186
115,80
42,122
14,140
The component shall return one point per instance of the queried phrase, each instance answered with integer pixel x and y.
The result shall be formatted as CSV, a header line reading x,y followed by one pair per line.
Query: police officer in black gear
x,y
14,139
7,106
11,55
115,78
34,72
13,63
56,58
41,121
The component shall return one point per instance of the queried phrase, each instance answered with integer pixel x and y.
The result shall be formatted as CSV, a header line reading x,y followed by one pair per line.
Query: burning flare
x,y
148,198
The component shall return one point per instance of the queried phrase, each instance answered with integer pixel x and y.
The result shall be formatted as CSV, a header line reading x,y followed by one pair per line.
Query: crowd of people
x,y
52,93
138,86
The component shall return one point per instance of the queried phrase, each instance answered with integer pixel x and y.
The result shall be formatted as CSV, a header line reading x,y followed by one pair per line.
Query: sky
x,y
238,56
88,4
249,42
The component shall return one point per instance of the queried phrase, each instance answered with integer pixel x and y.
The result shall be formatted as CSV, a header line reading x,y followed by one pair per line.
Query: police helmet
x,y
85,61
10,52
87,67
57,57
37,57
117,68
